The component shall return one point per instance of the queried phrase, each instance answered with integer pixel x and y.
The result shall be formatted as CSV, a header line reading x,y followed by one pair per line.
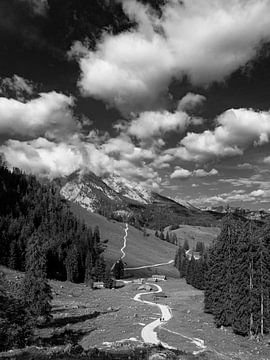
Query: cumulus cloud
x,y
180,173
191,101
43,157
156,123
235,131
203,173
49,115
205,41
53,159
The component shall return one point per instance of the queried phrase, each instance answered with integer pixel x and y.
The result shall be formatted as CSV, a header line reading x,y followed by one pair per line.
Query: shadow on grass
x,y
62,338
59,322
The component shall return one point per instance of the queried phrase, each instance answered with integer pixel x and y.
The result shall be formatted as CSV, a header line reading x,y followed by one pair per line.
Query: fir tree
x,y
37,291
186,245
88,268
96,235
108,281
100,268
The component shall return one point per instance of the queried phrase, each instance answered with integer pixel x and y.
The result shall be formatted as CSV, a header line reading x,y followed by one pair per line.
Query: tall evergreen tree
x,y
37,291
186,245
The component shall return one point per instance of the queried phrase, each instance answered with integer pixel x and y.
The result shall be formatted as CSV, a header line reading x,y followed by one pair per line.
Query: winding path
x,y
148,334
148,266
125,242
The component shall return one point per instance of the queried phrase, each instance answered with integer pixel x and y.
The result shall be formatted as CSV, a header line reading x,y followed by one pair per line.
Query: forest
x,y
42,238
235,276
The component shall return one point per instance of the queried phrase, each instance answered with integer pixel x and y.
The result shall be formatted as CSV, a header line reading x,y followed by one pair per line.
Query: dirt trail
x,y
148,334
125,242
148,266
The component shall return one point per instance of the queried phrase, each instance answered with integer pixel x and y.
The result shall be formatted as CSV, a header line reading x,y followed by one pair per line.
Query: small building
x,y
145,287
98,285
159,277
195,254
138,281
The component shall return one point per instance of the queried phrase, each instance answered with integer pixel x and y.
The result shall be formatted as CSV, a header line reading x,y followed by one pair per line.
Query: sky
x,y
179,101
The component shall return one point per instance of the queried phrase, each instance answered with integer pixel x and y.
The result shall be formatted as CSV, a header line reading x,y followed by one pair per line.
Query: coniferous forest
x,y
235,276
32,213
41,237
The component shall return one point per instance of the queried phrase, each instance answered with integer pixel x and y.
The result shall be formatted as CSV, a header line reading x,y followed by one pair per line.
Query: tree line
x,y
235,274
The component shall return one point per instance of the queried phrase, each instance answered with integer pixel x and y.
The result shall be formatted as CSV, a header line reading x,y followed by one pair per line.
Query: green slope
x,y
193,234
140,250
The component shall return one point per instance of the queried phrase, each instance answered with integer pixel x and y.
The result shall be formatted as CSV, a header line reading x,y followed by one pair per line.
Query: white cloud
x,y
156,123
236,130
49,115
205,41
203,173
180,173
43,157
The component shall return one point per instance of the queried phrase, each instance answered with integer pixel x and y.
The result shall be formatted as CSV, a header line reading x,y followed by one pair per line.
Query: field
x,y
193,234
141,250
111,319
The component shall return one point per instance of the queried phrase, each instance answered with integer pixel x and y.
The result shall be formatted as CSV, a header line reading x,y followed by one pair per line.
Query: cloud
x,y
43,157
266,160
180,173
53,159
49,115
16,87
203,173
235,131
156,123
205,41
246,166
190,102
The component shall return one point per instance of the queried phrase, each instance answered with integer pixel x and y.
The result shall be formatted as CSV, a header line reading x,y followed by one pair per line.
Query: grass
x,y
193,234
111,319
141,250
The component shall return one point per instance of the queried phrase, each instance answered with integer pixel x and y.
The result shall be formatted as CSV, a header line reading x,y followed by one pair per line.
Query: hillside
x,y
193,234
140,250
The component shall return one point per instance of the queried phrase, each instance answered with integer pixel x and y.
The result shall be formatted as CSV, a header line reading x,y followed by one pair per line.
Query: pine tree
x,y
186,245
100,268
190,271
37,291
88,268
72,264
108,281
96,235
118,269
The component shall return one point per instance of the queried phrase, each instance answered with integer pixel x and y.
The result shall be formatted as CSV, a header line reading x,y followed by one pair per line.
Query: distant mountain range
x,y
246,213
118,198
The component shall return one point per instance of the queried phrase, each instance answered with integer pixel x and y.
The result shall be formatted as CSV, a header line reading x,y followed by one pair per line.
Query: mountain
x,y
118,198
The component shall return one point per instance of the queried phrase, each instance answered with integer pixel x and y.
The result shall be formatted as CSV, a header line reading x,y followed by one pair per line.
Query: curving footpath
x,y
125,242
148,266
148,334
